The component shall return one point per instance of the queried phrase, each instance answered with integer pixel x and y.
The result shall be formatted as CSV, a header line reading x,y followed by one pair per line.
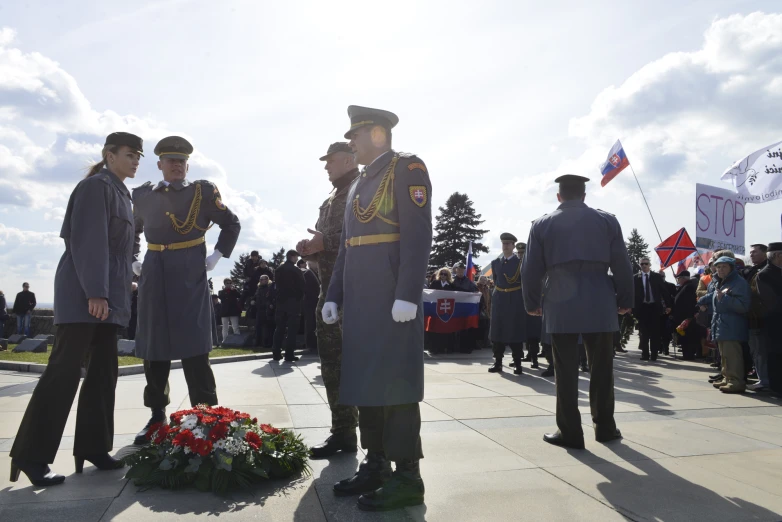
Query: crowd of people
x,y
23,307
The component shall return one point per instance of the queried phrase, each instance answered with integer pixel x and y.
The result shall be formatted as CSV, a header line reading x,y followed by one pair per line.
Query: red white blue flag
x,y
615,163
470,267
446,311
676,248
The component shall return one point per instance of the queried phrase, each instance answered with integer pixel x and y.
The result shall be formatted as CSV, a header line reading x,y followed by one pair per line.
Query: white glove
x,y
330,313
137,268
404,311
212,259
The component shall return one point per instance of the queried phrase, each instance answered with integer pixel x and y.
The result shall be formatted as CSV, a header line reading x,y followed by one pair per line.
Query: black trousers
x,y
287,317
467,340
648,316
547,353
600,353
395,430
533,348
517,350
198,375
264,331
44,420
310,338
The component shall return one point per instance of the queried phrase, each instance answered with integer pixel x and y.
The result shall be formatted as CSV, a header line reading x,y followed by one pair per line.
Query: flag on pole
x,y
758,177
470,266
676,248
615,163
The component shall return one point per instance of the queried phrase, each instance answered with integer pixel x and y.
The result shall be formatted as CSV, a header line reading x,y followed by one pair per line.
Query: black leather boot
x,y
548,372
497,368
404,489
518,370
535,362
103,462
158,415
344,441
38,473
372,473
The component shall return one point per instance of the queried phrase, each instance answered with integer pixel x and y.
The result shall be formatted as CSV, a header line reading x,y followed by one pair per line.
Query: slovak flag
x,y
617,161
470,267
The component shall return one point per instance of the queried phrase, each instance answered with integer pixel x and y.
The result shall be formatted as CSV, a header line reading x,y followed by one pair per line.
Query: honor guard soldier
x,y
175,318
534,323
508,318
573,248
386,239
323,248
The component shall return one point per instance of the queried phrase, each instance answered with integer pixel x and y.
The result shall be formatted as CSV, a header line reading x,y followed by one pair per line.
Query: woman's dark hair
x,y
102,163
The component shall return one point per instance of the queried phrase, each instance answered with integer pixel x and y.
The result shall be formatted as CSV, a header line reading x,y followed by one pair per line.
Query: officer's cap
x,y
507,236
571,178
363,116
117,139
521,246
775,247
174,147
339,146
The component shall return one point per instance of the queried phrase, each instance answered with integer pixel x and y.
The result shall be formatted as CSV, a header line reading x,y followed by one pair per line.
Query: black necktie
x,y
647,290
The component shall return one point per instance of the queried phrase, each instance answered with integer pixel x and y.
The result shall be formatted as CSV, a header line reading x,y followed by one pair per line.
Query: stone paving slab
x,y
688,453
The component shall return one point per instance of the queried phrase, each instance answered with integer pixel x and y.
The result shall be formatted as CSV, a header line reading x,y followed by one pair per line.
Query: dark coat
x,y
265,302
289,282
685,303
383,360
311,287
508,316
462,284
3,308
574,247
24,302
174,308
436,285
769,282
229,299
662,299
252,272
98,234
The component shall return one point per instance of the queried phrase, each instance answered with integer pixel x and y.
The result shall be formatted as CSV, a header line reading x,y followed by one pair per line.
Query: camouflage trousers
x,y
343,418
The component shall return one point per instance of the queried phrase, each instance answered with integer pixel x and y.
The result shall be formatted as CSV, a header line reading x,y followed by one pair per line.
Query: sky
x,y
498,98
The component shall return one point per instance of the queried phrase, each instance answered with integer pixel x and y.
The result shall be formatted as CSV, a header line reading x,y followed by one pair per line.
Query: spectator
x,y
651,302
23,308
311,295
230,308
757,345
442,342
3,313
216,311
133,311
265,269
485,308
729,299
757,254
466,340
265,298
684,306
666,320
460,282
290,293
769,288
443,280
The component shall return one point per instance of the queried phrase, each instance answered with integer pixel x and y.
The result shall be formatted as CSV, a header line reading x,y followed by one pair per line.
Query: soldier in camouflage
x,y
323,248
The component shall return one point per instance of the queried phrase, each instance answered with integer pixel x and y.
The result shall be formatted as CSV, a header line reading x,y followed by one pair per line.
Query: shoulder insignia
x,y
418,195
218,199
417,165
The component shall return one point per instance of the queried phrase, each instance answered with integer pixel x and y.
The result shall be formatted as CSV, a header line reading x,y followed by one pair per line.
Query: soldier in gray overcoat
x,y
91,304
574,247
174,307
323,249
378,282
508,318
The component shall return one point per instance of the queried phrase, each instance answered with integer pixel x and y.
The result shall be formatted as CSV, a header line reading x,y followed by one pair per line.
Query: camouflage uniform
x,y
332,213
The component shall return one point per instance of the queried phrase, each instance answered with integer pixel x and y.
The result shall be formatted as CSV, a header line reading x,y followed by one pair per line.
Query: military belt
x,y
374,239
177,246
512,289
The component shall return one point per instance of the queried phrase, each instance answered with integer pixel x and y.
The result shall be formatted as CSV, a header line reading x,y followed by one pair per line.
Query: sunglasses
x,y
645,264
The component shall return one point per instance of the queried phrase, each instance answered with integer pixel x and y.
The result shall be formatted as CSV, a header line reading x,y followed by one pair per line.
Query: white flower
x,y
199,433
187,450
189,422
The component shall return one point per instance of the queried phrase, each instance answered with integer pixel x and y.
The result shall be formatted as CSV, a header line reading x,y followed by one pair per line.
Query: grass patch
x,y
43,358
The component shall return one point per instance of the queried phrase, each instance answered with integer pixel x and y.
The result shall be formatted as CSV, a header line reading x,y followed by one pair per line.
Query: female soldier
x,y
91,302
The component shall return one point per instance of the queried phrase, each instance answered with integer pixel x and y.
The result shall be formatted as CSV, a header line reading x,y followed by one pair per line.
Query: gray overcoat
x,y
508,316
174,307
382,360
98,234
574,247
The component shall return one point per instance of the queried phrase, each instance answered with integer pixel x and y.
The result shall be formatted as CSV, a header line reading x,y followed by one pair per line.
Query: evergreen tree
x,y
278,258
237,272
211,286
636,248
457,225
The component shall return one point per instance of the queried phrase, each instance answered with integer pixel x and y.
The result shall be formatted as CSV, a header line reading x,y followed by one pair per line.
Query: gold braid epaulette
x,y
384,197
184,227
515,278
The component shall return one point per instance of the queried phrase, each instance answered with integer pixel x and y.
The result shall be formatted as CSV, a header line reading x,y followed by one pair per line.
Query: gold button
x,y
166,189
167,213
364,174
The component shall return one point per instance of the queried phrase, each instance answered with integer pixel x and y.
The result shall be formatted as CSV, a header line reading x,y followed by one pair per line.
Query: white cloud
x,y
12,237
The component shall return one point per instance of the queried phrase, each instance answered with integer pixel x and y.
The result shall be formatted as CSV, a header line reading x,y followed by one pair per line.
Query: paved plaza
x,y
689,452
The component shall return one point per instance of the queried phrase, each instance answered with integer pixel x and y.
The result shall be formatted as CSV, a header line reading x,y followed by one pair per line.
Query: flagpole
x,y
650,210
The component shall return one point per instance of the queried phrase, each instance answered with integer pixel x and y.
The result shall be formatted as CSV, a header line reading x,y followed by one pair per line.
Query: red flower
x,y
208,419
266,428
152,429
183,438
253,439
218,432
162,433
201,447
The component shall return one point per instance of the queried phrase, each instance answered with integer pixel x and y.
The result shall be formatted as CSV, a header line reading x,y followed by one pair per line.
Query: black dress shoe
x,y
527,358
716,377
548,372
535,364
38,473
103,462
404,489
277,356
513,364
158,415
644,358
619,349
346,442
291,359
608,438
558,440
497,368
372,473
584,368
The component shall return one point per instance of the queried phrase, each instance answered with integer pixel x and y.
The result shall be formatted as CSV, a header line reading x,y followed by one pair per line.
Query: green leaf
x,y
193,465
